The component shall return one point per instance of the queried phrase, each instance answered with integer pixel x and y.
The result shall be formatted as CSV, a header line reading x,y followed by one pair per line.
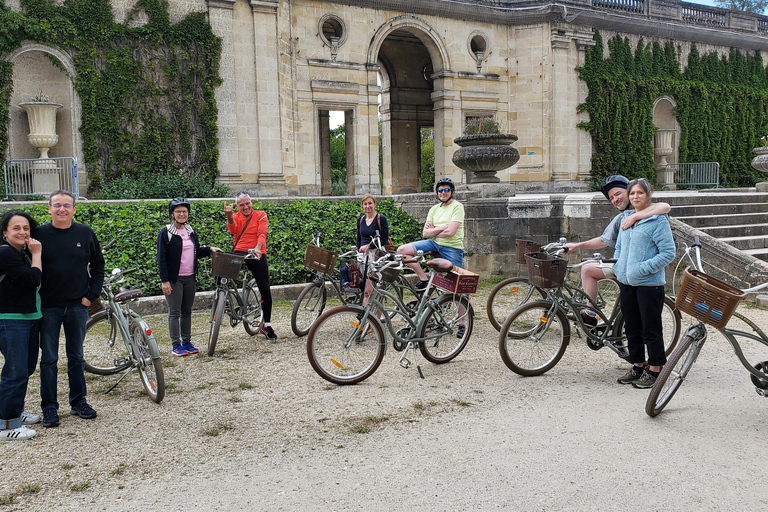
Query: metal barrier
x,y
40,176
696,174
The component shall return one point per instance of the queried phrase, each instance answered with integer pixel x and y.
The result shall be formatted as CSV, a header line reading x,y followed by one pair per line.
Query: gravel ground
x,y
255,428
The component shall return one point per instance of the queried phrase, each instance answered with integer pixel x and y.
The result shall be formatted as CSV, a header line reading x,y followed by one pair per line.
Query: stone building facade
x,y
422,63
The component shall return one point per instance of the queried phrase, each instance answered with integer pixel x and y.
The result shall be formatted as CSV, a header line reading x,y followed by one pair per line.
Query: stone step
x,y
695,210
745,243
702,198
735,230
724,220
761,254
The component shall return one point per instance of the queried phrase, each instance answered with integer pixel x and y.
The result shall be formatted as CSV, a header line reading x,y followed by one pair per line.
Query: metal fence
x,y
40,176
696,174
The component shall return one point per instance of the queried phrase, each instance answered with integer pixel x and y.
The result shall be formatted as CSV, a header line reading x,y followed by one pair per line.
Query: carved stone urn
x,y
482,155
760,163
662,149
42,124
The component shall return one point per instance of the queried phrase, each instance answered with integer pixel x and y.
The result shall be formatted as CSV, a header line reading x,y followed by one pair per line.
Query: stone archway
x,y
666,143
409,55
34,74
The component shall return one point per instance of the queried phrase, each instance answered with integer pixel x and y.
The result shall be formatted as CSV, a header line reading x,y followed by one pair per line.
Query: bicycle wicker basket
x,y
546,270
524,247
226,264
708,299
95,306
388,275
319,259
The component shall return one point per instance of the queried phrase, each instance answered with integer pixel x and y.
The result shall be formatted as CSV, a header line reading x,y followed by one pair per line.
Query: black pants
x,y
642,307
260,270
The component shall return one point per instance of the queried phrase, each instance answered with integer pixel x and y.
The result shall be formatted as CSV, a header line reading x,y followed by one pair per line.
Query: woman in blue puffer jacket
x,y
642,252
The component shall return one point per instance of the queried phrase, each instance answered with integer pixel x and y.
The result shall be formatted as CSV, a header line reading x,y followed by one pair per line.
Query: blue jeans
x,y
455,256
73,318
16,345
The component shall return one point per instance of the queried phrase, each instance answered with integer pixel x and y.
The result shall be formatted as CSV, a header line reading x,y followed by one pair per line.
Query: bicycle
x,y
242,305
513,292
711,302
534,337
347,343
313,299
105,355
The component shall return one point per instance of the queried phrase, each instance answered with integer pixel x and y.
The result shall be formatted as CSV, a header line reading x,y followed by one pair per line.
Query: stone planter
x,y
482,155
760,163
42,135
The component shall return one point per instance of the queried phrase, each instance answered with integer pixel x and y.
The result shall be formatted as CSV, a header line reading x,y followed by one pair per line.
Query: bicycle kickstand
x,y
405,363
125,374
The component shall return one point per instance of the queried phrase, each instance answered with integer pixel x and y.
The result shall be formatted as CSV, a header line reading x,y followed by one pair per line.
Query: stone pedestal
x,y
662,149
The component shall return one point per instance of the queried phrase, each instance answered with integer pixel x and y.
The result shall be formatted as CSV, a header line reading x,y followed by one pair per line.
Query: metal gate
x,y
696,174
33,177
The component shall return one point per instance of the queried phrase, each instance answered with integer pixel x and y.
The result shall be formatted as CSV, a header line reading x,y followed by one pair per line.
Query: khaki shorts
x,y
608,270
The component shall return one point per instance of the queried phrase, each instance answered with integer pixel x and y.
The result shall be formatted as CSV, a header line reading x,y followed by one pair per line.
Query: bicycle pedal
x,y
405,363
762,392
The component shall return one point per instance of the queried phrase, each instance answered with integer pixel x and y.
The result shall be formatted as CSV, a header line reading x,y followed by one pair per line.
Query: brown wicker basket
x,y
226,264
546,270
319,259
524,247
708,299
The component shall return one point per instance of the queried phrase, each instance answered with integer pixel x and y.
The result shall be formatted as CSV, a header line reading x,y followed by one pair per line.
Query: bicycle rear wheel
x,y
672,375
448,327
252,316
533,339
103,347
341,349
217,312
150,368
507,296
308,307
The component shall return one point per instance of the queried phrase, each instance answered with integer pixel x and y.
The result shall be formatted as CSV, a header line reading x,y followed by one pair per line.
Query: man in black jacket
x,y
73,273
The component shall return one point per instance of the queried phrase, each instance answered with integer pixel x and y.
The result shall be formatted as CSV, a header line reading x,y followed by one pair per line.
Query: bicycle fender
x,y
154,351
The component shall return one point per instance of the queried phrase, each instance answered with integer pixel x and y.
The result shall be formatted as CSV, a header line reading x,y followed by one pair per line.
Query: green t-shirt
x,y
441,215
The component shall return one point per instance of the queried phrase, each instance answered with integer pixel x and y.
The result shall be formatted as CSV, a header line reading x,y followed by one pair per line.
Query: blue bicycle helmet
x,y
613,182
179,201
445,181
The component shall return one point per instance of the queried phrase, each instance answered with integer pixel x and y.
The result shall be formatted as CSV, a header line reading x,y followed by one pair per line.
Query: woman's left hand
x,y
215,249
363,248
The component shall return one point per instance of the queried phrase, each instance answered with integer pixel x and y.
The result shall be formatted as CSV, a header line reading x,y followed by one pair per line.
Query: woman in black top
x,y
369,225
20,274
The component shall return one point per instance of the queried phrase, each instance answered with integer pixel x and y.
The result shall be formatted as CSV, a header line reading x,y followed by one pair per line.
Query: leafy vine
x,y
147,93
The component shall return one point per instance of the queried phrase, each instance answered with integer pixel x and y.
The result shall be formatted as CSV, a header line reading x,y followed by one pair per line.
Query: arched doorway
x,y
409,55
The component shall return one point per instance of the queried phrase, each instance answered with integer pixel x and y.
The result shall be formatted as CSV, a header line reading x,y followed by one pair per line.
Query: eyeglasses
x,y
443,190
57,206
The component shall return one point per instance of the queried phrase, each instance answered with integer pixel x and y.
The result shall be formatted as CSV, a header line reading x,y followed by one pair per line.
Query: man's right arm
x,y
591,244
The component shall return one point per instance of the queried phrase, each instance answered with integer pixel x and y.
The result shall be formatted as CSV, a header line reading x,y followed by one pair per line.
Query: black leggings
x,y
260,270
642,307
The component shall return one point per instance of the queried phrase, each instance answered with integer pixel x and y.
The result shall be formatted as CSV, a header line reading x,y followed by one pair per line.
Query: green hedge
x,y
291,226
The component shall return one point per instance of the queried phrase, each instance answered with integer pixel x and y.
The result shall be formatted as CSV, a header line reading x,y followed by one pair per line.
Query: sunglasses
x,y
443,190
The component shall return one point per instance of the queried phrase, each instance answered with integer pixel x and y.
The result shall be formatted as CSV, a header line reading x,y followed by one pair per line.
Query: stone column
x,y
325,152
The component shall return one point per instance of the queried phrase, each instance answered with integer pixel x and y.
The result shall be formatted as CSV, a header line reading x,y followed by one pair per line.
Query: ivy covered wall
x,y
147,93
722,107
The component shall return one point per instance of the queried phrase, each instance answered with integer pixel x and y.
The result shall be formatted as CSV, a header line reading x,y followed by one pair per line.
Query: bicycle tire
x,y
671,320
252,317
308,307
217,312
150,369
607,294
341,350
458,312
103,346
672,375
507,296
530,345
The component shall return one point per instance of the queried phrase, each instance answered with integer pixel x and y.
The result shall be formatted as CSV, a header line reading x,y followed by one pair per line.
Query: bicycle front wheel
x,y
308,307
341,349
103,347
672,375
150,368
448,328
252,316
507,296
533,339
217,312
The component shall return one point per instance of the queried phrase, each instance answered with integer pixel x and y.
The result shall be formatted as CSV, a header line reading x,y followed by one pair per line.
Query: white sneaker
x,y
28,418
17,434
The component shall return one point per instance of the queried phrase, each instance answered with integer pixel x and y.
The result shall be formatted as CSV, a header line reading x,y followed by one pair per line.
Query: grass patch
x,y
245,385
80,487
67,466
462,403
220,427
7,499
419,406
119,470
367,423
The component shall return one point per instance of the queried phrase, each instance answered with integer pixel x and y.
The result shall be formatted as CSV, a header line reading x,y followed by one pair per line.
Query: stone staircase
x,y
739,219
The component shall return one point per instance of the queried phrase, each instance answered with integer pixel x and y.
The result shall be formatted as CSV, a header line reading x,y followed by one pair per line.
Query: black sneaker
x,y
50,417
631,376
83,410
268,332
421,285
645,381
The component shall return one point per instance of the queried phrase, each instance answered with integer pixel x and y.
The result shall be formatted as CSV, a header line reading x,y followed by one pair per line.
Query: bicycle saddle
x,y
127,295
440,264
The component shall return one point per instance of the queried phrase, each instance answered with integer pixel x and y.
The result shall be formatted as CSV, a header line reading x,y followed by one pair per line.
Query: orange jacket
x,y
255,232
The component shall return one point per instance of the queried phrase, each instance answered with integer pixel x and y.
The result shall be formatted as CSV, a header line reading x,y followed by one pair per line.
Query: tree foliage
x,y
755,6
722,107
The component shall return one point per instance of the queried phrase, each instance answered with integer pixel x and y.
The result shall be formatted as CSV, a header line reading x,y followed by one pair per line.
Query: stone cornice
x,y
222,4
